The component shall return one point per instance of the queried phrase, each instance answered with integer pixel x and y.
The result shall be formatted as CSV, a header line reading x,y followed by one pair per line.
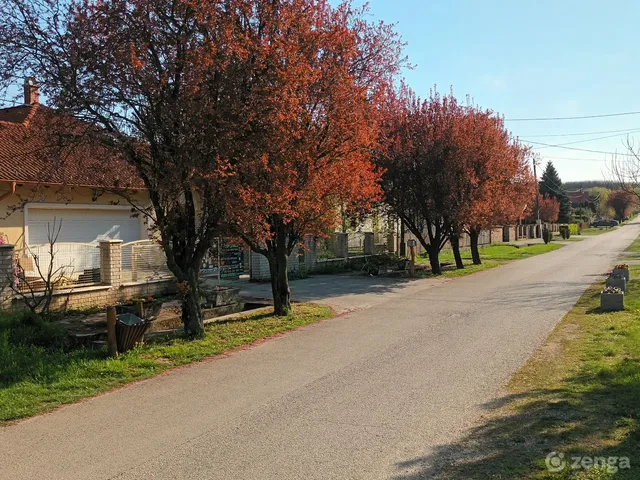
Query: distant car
x,y
605,223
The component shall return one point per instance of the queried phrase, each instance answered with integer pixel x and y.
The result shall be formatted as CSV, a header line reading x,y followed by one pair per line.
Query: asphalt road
x,y
370,394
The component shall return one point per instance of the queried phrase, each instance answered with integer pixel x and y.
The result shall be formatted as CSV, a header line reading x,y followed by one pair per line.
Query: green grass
x,y
597,230
492,256
578,395
36,377
634,247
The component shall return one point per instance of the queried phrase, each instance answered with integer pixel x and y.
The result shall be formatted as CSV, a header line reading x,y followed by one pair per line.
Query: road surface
x,y
361,396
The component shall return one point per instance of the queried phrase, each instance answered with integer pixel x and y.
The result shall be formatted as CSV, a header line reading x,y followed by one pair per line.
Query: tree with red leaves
x,y
318,75
549,209
451,168
497,185
622,202
420,159
156,81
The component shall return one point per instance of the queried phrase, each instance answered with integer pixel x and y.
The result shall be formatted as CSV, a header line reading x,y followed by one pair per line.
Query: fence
x,y
380,242
356,243
326,248
64,265
143,260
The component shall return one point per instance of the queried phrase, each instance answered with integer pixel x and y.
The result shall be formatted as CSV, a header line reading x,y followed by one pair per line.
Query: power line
x,y
587,140
577,134
583,159
581,149
544,119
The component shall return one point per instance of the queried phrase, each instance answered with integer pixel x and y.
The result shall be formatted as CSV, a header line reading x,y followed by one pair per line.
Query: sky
x,y
532,59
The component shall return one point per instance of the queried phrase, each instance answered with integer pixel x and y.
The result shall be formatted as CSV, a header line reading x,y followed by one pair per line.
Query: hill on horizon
x,y
587,184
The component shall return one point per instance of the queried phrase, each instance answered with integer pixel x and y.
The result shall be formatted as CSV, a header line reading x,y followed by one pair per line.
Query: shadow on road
x,y
598,410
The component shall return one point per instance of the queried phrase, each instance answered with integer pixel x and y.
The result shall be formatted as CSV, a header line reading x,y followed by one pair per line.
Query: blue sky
x,y
525,59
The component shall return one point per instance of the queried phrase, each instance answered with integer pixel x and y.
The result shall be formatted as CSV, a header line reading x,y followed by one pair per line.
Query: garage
x,y
82,225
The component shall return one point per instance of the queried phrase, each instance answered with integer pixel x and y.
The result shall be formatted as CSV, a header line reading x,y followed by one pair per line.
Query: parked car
x,y
605,223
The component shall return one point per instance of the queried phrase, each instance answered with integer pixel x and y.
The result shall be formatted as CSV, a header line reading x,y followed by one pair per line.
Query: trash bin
x,y
129,330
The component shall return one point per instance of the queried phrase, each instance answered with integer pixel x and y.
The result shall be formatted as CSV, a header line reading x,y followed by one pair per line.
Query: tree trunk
x,y
191,311
434,260
474,235
278,259
455,246
280,284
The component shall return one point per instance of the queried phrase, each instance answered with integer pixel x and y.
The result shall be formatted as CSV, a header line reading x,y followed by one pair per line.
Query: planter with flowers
x,y
622,269
617,280
612,299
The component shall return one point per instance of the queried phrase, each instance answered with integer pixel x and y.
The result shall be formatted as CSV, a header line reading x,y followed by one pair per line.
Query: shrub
x,y
29,329
564,232
547,236
574,229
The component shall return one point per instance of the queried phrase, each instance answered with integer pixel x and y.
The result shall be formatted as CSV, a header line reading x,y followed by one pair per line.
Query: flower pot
x,y
611,302
622,271
620,283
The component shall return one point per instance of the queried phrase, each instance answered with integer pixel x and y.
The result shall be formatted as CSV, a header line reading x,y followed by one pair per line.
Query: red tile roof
x,y
33,149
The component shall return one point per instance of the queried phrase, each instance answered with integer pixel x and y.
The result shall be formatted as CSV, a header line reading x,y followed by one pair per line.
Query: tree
x,y
313,89
622,203
496,185
549,209
625,170
421,165
156,84
550,184
601,196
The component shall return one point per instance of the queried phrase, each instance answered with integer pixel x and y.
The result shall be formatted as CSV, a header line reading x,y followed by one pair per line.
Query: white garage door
x,y
83,225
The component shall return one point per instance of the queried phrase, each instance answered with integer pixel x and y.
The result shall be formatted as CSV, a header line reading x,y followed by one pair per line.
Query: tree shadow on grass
x,y
595,414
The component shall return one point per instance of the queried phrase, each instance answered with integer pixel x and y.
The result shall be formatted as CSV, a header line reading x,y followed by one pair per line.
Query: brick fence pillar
x,y
342,245
111,262
6,275
368,243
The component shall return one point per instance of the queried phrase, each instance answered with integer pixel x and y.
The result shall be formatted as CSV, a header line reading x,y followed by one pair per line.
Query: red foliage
x,y
622,203
549,209
312,94
451,167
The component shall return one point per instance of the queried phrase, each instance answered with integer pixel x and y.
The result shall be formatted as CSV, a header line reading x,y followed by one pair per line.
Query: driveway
x,y
370,394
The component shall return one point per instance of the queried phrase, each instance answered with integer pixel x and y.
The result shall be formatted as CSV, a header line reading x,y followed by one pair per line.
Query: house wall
x,y
12,222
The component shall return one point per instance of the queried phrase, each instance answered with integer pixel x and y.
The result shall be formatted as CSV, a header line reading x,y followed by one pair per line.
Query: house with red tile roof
x,y
43,178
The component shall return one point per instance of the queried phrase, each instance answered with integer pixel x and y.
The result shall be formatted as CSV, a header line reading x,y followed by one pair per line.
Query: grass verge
x,y
578,396
38,372
492,256
597,230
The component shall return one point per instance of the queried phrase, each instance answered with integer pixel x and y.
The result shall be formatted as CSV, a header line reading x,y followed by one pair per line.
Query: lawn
x,y
39,372
634,247
597,230
578,396
492,256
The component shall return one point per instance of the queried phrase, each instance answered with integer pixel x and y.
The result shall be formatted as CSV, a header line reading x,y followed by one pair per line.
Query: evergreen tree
x,y
551,185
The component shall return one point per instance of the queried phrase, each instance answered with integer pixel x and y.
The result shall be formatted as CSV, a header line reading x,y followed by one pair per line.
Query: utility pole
x,y
535,174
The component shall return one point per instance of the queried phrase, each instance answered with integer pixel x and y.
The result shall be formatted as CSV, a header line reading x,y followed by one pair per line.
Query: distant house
x,y
581,198
39,182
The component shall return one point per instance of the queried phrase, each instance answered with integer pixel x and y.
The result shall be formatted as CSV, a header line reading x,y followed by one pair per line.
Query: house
x,y
39,183
52,175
